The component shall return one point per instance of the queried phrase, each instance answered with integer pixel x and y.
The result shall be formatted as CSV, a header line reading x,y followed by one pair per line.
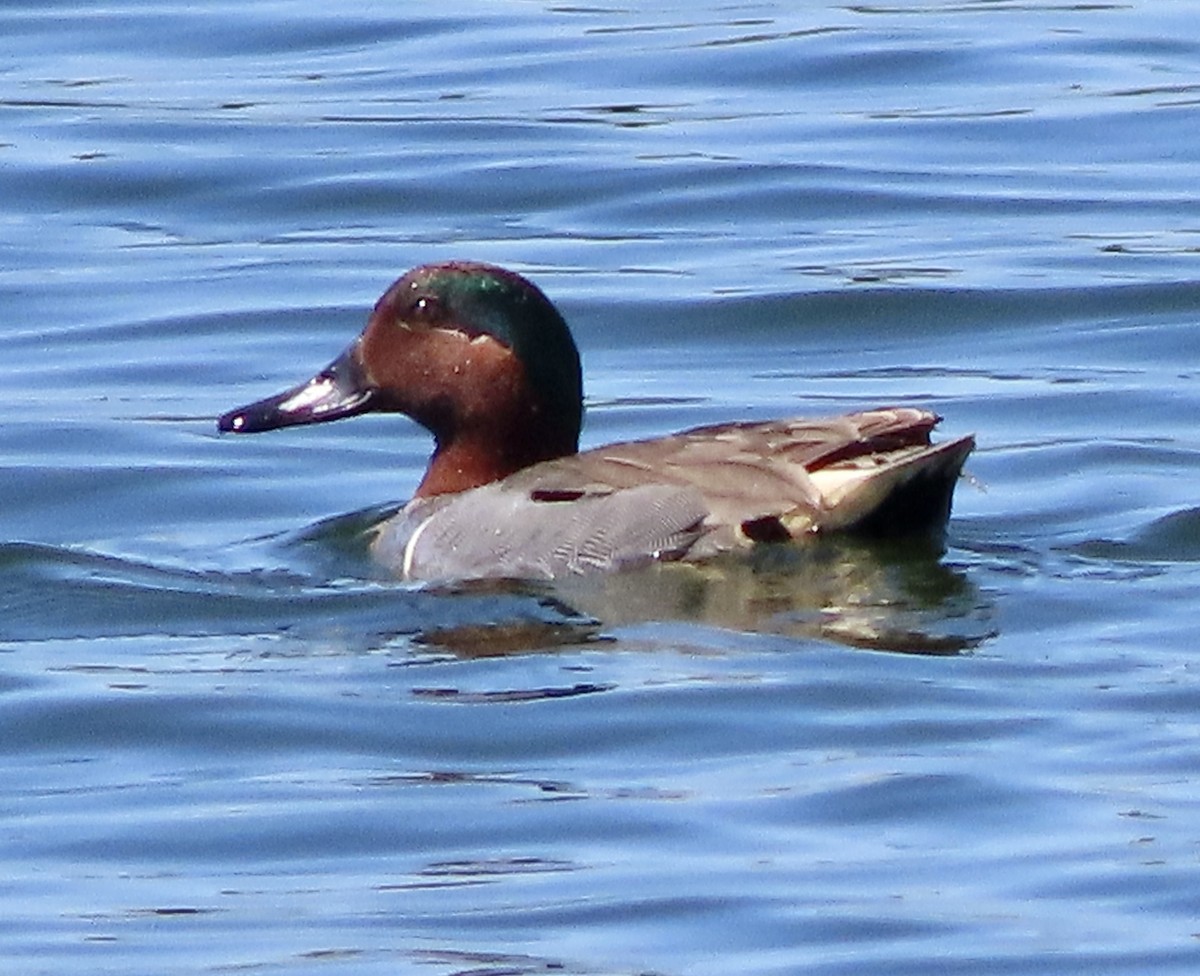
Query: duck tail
x,y
899,492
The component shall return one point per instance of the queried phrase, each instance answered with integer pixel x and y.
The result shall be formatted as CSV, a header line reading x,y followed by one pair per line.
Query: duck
x,y
480,357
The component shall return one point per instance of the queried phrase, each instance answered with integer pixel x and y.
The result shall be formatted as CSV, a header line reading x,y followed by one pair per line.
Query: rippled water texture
x,y
228,743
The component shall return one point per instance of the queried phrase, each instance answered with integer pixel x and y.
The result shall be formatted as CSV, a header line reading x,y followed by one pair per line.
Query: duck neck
x,y
466,461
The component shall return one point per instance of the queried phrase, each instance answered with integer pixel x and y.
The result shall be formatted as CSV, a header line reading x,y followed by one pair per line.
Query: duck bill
x,y
341,389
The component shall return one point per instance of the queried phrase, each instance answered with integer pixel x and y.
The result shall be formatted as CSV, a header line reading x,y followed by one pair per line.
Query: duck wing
x,y
760,482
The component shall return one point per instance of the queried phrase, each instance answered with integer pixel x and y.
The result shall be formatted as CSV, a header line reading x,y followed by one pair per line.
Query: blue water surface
x,y
229,743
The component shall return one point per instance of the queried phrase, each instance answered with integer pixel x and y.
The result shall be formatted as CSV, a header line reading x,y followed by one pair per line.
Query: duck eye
x,y
426,309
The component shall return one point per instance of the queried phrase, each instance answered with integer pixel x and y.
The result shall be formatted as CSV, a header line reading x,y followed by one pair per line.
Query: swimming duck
x,y
482,358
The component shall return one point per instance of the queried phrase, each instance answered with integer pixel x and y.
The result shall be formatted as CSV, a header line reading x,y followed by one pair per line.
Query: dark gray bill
x,y
341,389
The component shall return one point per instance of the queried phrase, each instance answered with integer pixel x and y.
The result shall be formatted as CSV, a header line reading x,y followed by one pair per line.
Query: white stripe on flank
x,y
410,547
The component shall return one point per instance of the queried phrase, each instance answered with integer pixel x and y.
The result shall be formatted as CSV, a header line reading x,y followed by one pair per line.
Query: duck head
x,y
475,353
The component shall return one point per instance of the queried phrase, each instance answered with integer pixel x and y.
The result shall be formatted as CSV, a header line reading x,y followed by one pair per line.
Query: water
x,y
228,743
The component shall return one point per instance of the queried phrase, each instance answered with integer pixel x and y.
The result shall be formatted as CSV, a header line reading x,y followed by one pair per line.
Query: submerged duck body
x,y
480,357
